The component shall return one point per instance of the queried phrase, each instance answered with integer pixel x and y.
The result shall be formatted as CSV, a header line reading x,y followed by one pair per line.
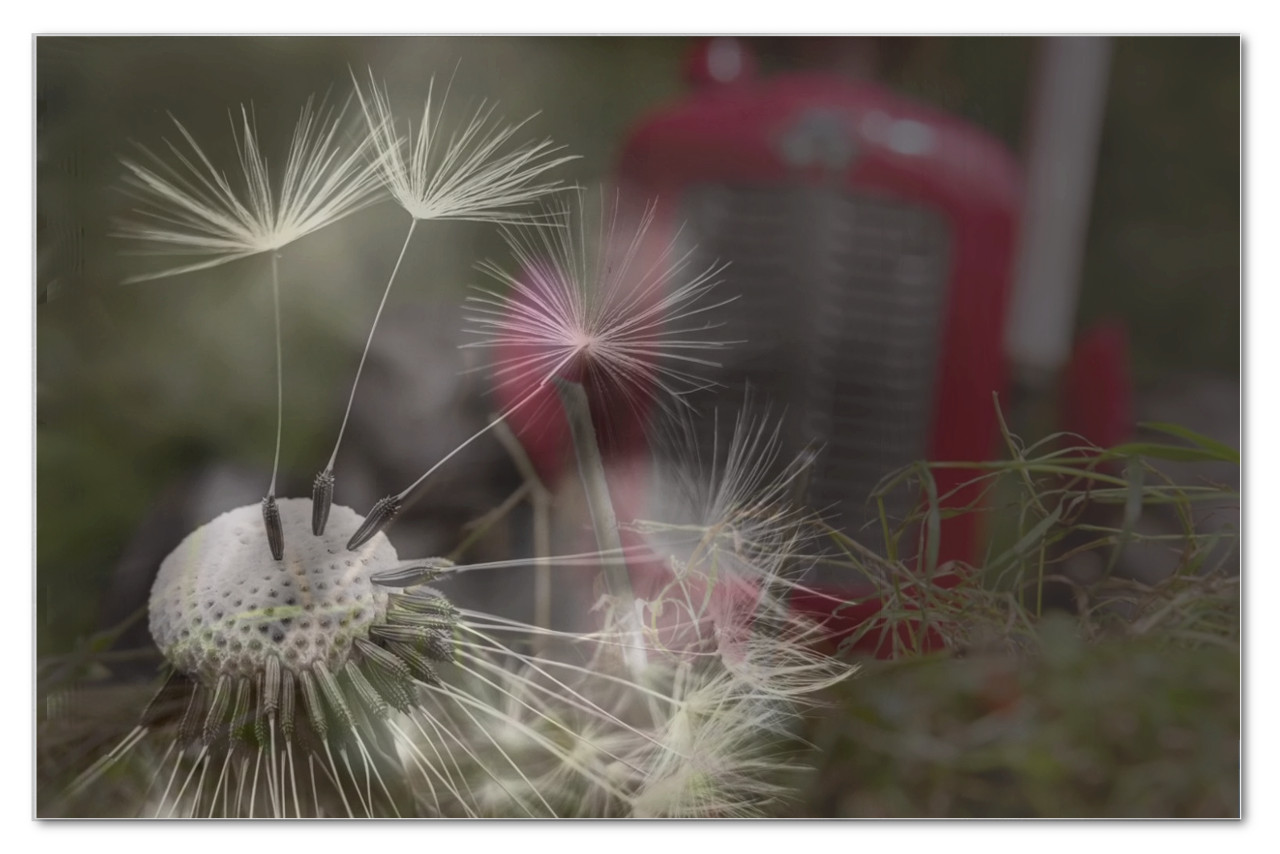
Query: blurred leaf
x,y
1220,450
1159,451
933,522
1133,473
1029,541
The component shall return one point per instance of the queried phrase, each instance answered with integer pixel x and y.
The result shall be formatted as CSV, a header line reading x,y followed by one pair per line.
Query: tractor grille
x,y
839,311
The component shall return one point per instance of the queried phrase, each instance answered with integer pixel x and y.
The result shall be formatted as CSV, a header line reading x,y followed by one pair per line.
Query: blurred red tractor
x,y
871,243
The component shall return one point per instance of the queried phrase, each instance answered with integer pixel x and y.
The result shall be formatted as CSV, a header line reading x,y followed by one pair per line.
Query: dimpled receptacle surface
x,y
221,605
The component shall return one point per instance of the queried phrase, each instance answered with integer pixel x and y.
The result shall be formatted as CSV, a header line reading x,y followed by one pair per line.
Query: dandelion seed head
x,y
302,656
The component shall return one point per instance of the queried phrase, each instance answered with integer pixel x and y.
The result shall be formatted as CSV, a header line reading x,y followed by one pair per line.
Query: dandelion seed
x,y
714,757
417,572
734,548
321,501
383,514
620,312
275,532
476,175
473,175
608,313
189,208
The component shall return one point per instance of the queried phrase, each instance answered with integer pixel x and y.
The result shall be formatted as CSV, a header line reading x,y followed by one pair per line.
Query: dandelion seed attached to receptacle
x,y
383,514
191,209
476,177
575,307
416,572
275,531
321,501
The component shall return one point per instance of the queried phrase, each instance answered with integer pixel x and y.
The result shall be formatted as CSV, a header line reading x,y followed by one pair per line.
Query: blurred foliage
x,y
1114,729
1070,673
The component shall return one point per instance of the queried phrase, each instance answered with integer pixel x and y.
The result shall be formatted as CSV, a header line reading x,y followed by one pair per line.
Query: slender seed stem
x,y
485,429
384,512
270,510
369,341
275,300
540,502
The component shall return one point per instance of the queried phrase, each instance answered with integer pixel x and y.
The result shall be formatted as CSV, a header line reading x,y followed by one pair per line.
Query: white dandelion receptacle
x,y
222,606
281,664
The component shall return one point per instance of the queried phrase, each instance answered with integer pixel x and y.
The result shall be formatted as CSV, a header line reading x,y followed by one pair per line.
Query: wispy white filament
x,y
189,207
727,525
472,174
622,305
476,175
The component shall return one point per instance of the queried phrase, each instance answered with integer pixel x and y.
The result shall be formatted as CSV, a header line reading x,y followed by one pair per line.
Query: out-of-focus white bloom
x,y
717,751
735,548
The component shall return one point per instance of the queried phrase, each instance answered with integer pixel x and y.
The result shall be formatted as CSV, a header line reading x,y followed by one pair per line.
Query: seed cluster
x,y
221,606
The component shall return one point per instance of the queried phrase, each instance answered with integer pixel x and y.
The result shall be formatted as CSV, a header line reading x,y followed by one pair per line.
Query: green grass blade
x,y
1177,453
1133,473
1219,450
